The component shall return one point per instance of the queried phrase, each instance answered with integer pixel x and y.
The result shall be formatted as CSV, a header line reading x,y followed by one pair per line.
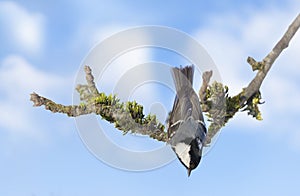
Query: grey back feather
x,y
186,104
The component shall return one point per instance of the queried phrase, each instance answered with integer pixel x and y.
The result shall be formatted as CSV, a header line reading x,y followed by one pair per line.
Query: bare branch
x,y
267,62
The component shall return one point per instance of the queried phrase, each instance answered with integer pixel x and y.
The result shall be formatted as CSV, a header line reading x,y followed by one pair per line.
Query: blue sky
x,y
42,47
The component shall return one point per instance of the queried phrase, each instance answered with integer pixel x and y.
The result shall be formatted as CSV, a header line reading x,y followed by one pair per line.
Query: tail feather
x,y
183,77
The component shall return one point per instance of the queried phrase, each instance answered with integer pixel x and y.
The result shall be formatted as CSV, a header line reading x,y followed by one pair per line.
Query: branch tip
x,y
36,99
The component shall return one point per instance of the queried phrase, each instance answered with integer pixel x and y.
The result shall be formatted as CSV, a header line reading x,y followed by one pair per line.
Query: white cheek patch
x,y
182,151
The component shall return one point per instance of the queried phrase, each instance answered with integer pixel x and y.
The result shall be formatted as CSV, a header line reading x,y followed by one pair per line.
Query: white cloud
x,y
18,79
96,33
230,40
23,29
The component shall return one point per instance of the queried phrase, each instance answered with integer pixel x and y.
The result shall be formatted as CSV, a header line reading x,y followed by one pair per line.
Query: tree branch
x,y
265,65
127,117
215,101
249,98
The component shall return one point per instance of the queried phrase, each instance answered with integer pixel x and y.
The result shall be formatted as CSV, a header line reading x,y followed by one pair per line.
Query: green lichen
x,y
254,64
128,116
82,104
219,107
252,106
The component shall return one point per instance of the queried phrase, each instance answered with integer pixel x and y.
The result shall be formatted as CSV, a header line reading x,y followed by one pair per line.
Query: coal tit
x,y
186,127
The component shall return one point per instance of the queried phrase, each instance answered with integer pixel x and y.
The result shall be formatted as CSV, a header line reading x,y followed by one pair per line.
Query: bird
x,y
186,127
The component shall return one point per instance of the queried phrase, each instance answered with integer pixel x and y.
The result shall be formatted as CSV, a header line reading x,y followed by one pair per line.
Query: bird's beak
x,y
189,172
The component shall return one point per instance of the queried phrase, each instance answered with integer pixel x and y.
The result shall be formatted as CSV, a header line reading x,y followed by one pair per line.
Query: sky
x,y
43,46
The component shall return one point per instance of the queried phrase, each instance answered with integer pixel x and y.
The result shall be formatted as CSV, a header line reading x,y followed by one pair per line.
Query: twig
x,y
202,92
90,81
72,110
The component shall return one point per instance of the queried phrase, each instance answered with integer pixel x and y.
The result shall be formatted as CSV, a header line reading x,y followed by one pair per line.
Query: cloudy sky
x,y
43,46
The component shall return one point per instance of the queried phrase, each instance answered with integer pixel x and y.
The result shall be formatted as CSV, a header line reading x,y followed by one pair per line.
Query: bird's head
x,y
189,153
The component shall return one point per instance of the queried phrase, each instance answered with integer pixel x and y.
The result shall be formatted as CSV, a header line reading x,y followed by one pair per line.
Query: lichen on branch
x,y
215,100
127,117
219,111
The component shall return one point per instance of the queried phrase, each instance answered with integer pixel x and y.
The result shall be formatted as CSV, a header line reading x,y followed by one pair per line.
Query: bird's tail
x,y
183,77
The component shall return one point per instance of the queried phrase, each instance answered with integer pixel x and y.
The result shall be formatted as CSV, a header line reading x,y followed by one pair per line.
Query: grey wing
x,y
173,118
189,104
186,104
